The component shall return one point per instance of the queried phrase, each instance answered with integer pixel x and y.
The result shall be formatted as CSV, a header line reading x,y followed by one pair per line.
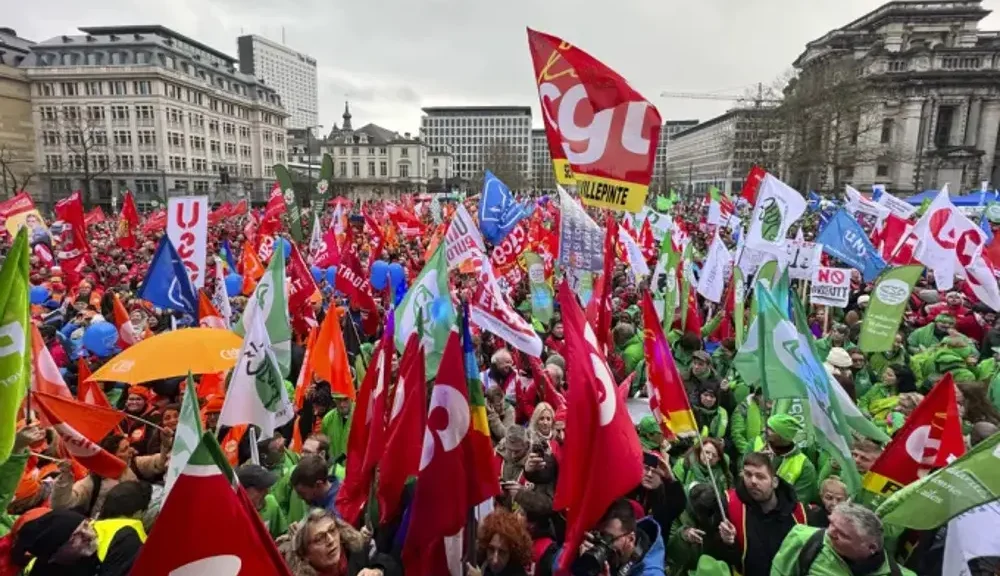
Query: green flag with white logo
x,y
291,202
428,301
885,310
15,358
186,437
270,299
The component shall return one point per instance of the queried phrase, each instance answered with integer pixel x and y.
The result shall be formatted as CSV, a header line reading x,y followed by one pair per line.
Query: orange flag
x,y
307,371
329,358
89,392
211,384
127,334
45,376
92,422
231,444
208,316
78,444
252,268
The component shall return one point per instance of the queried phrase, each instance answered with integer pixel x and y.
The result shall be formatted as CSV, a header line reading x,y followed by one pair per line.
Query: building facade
x,y
543,176
719,152
483,137
291,73
150,110
929,114
670,127
18,168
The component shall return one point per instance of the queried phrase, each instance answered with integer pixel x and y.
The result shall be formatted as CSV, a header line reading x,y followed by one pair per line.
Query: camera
x,y
591,562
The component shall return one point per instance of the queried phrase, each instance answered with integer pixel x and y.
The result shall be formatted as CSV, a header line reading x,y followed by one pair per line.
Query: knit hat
x,y
784,426
45,535
647,429
838,358
703,356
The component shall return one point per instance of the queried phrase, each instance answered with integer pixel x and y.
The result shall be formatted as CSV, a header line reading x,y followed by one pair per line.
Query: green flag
x,y
271,300
966,483
15,355
780,358
663,204
291,202
325,174
765,274
541,292
186,437
685,288
430,295
885,311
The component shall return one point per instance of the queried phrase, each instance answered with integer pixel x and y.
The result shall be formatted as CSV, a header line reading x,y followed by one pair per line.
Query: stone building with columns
x,y
931,80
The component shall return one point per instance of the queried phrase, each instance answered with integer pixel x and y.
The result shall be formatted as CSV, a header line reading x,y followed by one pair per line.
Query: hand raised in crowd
x,y
27,436
693,535
471,570
534,463
727,532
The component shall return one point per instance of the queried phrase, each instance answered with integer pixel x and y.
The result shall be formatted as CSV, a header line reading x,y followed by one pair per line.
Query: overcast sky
x,y
391,57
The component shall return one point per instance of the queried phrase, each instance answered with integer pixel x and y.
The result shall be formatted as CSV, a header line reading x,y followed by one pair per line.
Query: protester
x,y
504,544
322,545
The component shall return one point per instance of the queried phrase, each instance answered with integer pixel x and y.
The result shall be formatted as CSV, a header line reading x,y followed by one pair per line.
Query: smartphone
x,y
650,460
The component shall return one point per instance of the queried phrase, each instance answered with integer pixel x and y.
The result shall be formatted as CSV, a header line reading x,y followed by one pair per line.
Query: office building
x,y
670,127
543,176
481,137
17,136
291,73
151,110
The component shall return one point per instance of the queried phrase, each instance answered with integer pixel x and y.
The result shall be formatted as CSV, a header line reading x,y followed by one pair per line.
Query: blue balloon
x,y
400,291
286,247
441,309
397,274
331,275
39,294
317,273
234,284
100,339
380,272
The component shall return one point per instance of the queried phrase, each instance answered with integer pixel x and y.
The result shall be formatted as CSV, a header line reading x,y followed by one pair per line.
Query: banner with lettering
x,y
602,134
830,287
844,239
505,255
462,240
885,311
581,240
187,228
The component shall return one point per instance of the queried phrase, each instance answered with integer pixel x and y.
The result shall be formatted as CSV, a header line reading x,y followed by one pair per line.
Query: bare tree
x,y
87,140
17,170
501,159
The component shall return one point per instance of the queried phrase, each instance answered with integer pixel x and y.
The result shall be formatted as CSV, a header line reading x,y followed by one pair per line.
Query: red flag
x,y
381,403
668,399
208,316
329,253
752,183
88,391
647,242
329,355
930,438
95,216
45,376
376,234
357,481
407,422
355,284
726,327
409,225
692,322
155,222
251,268
599,434
894,240
604,312
442,499
74,254
127,334
271,222
302,287
240,209
79,426
128,222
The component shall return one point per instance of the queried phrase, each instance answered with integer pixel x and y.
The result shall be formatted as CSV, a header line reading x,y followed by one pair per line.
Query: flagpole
x,y
711,475
254,453
144,421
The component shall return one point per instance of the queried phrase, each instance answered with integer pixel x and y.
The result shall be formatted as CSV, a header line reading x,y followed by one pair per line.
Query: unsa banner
x,y
831,286
187,228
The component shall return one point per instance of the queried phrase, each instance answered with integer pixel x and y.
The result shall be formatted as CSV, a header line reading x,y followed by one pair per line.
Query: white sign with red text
x,y
830,286
187,228
463,240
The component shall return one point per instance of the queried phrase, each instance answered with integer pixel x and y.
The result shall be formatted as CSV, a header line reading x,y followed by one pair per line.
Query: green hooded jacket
x,y
827,563
337,429
748,423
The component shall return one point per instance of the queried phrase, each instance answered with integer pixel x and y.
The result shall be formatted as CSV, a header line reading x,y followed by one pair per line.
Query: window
x,y
355,151
123,138
404,170
200,186
175,139
53,162
175,116
942,129
230,148
99,137
383,168
147,186
196,120
887,126
99,162
71,112
882,170
435,162
229,129
244,132
50,138
371,151
93,89
404,152
144,114
371,169
46,89
436,173
119,113
148,161
146,138
197,142
215,146
76,162
213,127
854,133
268,154
343,169
178,163
69,89
199,165
119,88
245,151
48,113
124,162
95,112
267,136
343,151
356,169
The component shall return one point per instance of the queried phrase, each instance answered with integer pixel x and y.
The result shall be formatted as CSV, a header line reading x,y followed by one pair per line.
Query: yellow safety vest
x,y
106,530
790,468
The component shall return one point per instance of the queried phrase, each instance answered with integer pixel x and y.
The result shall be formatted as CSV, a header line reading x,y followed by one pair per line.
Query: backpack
x,y
810,550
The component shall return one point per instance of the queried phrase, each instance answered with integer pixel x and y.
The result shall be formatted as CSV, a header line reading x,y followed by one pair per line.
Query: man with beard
x,y
792,466
838,338
929,336
760,512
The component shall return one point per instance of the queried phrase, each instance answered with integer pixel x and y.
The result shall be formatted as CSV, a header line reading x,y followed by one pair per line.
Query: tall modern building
x,y
151,110
670,127
480,137
291,73
543,176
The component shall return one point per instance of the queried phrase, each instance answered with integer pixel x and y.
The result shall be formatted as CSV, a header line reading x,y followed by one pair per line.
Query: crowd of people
x,y
746,496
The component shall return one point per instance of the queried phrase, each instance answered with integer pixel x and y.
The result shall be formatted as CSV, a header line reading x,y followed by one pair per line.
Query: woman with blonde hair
x,y
541,426
323,545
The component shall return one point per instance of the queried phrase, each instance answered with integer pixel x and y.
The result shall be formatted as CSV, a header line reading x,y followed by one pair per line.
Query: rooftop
x,y
11,42
155,30
447,110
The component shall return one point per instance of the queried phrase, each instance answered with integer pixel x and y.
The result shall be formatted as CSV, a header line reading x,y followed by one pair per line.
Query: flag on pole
x,y
220,298
668,399
167,283
187,436
15,361
269,297
429,298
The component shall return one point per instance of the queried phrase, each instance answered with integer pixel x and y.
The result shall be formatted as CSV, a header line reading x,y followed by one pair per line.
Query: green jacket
x,y
292,507
10,476
805,484
683,557
273,517
874,403
717,421
827,562
632,353
824,345
879,361
862,382
748,423
721,362
337,429
922,339
688,473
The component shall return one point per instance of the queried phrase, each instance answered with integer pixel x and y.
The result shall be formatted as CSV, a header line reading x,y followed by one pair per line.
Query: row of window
x,y
478,122
495,132
151,88
128,162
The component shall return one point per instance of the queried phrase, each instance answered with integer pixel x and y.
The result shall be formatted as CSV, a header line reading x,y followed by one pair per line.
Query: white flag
x,y
858,203
947,240
633,253
257,392
778,207
971,535
220,298
714,273
186,438
315,240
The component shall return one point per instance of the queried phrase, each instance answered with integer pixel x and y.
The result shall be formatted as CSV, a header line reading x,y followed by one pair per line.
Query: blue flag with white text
x,y
845,239
498,211
167,284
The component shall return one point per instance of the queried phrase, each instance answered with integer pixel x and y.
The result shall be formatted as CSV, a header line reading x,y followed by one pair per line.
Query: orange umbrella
x,y
173,354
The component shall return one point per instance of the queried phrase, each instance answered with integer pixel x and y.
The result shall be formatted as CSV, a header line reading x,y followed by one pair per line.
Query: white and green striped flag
x,y
269,297
186,437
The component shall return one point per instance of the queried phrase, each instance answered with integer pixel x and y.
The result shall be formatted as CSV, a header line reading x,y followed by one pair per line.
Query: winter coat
x,y
632,353
337,429
689,472
353,544
682,555
765,531
653,561
879,361
79,495
499,423
827,563
712,422
749,420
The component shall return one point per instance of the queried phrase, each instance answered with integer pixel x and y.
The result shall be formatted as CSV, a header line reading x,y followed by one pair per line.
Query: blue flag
x,y
844,239
227,254
984,225
814,201
498,211
167,284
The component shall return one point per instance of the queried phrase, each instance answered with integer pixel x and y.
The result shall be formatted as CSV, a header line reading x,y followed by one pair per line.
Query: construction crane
x,y
758,101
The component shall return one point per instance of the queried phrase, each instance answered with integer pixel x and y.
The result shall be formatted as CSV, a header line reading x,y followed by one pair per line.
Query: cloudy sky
x,y
391,57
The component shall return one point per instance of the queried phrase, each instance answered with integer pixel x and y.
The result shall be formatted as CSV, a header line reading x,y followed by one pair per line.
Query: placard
x,y
187,228
831,287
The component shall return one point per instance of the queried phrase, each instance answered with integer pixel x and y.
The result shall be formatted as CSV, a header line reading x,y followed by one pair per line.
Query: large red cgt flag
x,y
602,134
599,433
931,438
